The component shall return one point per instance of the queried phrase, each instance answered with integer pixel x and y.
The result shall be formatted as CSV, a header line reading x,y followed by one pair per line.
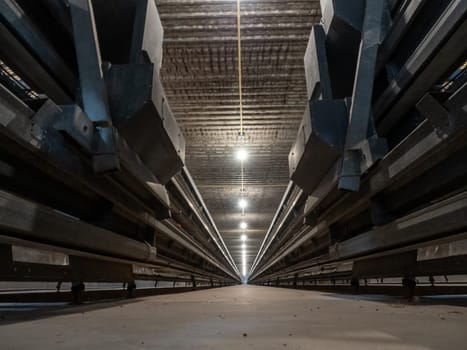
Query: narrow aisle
x,y
244,317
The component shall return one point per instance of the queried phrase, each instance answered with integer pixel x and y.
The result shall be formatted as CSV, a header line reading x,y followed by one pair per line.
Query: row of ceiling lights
x,y
242,156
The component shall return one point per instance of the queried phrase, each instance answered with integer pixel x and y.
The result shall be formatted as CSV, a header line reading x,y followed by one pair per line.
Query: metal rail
x,y
217,237
92,295
392,290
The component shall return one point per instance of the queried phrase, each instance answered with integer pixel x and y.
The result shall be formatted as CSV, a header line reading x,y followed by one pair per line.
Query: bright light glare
x,y
244,259
243,225
242,203
243,238
242,154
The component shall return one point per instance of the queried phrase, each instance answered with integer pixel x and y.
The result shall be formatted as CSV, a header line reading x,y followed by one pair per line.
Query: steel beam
x,y
93,89
62,86
360,131
37,222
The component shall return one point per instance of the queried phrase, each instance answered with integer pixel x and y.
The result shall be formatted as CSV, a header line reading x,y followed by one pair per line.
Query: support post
x,y
92,86
362,143
410,283
77,289
355,283
193,282
131,287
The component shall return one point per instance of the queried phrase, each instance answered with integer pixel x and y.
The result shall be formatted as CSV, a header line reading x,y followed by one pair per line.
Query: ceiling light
x,y
242,203
243,238
242,154
243,225
243,246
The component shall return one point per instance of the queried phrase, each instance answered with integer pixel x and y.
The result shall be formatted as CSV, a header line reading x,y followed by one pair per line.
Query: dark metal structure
x,y
107,108
379,164
93,184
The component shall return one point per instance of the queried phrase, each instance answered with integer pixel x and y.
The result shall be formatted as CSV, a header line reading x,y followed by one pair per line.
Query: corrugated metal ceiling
x,y
200,77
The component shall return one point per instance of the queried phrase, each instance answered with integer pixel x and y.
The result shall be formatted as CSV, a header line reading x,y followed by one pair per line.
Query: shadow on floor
x,y
452,300
21,312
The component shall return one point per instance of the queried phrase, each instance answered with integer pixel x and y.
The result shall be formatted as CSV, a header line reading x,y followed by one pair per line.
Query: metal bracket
x,y
72,121
436,114
445,118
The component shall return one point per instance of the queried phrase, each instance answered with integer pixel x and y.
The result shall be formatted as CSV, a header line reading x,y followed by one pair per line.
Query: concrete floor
x,y
241,317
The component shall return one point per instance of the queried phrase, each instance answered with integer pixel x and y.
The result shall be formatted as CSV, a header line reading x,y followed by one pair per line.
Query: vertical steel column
x,y
93,90
375,25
